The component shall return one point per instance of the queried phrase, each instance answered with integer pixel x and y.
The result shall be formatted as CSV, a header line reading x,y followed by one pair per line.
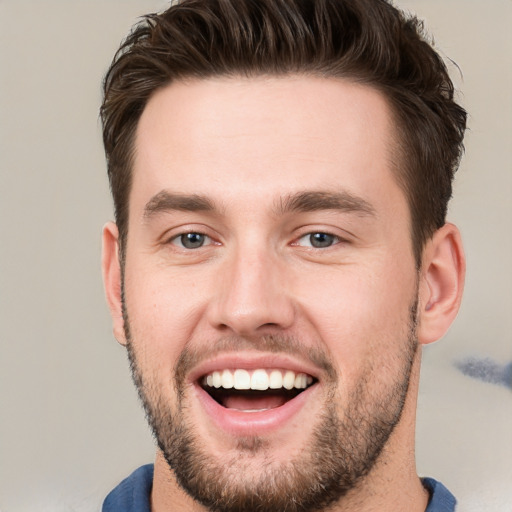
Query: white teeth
x,y
260,379
289,380
228,381
217,380
276,379
300,381
242,379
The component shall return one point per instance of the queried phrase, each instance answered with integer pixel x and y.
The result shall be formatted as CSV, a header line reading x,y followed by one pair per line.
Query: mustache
x,y
190,357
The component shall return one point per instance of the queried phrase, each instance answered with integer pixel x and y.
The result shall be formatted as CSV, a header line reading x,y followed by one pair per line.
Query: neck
x,y
167,494
392,486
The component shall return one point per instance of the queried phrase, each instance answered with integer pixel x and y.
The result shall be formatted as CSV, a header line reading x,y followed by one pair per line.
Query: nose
x,y
252,296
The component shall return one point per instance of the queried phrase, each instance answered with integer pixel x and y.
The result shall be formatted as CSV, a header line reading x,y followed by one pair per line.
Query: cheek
x,y
361,314
163,312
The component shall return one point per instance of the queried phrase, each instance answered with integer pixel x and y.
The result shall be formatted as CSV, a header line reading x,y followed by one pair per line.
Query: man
x,y
280,171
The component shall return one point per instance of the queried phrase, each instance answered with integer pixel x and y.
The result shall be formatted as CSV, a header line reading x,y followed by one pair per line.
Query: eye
x,y
191,240
318,240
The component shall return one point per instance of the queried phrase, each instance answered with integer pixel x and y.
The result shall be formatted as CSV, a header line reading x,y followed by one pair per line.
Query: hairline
x,y
397,158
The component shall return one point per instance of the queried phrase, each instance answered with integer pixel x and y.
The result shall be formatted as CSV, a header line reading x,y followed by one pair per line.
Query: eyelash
x,y
334,239
180,240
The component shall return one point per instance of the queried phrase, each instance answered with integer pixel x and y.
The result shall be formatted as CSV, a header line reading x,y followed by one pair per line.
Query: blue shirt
x,y
133,494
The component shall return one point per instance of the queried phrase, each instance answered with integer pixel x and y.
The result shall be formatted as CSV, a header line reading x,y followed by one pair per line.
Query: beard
x,y
344,445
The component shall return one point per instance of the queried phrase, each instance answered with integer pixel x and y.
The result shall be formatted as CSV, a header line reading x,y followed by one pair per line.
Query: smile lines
x,y
260,379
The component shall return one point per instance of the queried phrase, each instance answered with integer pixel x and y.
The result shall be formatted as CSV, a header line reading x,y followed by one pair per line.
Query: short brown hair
x,y
368,41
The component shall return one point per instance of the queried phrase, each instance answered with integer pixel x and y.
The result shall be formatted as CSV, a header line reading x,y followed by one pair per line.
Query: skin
x,y
246,145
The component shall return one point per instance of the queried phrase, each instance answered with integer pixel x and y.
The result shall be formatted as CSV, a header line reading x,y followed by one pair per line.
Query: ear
x,y
111,269
441,283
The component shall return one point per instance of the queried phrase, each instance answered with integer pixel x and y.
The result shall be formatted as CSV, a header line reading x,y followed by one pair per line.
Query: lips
x,y
253,395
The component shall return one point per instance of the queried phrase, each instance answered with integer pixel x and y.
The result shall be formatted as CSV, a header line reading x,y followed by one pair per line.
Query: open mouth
x,y
255,390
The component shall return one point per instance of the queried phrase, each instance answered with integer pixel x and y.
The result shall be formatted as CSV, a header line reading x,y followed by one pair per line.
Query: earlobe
x,y
441,284
111,269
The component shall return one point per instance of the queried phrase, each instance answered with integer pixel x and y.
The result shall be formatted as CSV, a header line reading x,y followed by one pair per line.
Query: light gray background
x,y
70,424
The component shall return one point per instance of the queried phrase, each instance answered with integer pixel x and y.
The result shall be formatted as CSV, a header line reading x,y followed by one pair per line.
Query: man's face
x,y
269,247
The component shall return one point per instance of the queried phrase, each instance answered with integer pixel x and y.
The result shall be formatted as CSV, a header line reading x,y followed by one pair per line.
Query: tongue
x,y
254,403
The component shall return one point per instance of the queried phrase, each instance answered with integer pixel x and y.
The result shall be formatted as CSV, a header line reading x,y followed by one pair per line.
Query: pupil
x,y
192,240
321,239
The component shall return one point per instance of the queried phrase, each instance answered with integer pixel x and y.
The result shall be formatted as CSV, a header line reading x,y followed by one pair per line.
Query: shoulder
x,y
133,493
441,499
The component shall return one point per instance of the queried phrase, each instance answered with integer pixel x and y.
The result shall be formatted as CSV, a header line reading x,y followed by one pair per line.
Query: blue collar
x,y
133,494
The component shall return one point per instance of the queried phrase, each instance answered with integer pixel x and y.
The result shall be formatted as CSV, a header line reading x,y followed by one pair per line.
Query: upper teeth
x,y
257,379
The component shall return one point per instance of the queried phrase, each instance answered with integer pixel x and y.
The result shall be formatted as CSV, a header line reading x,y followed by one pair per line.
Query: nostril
x,y
246,307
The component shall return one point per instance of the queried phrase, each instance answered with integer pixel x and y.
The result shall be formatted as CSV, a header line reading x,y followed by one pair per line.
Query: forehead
x,y
230,137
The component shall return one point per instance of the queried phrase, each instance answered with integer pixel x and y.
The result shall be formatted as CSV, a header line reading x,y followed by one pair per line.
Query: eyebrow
x,y
308,201
166,201
311,201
